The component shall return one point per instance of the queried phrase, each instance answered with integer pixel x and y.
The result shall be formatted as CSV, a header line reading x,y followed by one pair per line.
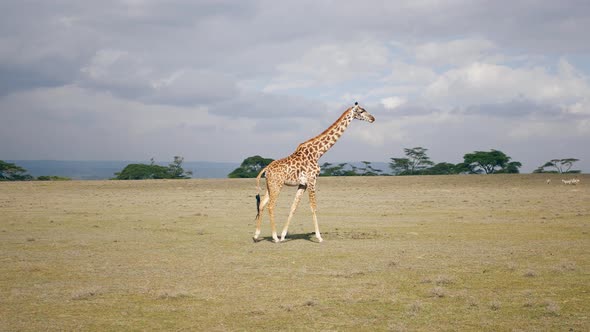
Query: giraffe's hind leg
x,y
300,191
271,212
273,188
263,203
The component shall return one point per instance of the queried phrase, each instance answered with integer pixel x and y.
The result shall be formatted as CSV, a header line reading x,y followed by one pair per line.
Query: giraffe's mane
x,y
329,128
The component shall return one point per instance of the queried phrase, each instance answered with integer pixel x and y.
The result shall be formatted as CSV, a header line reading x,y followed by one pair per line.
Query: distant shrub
x,y
142,172
153,171
52,178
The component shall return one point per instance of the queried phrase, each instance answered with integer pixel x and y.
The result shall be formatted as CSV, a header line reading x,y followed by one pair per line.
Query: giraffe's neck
x,y
318,145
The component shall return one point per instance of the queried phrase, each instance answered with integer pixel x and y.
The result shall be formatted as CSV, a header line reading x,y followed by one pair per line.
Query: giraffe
x,y
301,169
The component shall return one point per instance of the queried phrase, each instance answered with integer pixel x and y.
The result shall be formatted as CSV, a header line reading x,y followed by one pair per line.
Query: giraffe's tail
x,y
257,206
258,193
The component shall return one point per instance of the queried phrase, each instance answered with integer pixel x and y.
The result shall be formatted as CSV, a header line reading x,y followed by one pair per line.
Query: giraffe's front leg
x,y
313,205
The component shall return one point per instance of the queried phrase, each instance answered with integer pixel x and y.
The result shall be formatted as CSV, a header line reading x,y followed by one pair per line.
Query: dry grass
x,y
552,308
438,292
495,305
415,307
85,294
400,253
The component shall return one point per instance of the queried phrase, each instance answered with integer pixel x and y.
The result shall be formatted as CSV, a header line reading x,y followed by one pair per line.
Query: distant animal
x,y
548,181
571,181
301,169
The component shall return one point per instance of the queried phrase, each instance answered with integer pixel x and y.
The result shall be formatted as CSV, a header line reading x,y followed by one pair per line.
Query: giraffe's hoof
x,y
320,239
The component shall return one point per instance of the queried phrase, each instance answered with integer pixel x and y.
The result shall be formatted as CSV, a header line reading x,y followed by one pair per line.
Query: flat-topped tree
x,y
560,166
490,162
415,162
250,167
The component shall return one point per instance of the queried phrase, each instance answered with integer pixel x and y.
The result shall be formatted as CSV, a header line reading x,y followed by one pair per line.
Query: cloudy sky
x,y
224,80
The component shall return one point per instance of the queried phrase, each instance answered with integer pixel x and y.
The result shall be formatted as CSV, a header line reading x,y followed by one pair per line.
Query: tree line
x,y
13,172
174,170
417,162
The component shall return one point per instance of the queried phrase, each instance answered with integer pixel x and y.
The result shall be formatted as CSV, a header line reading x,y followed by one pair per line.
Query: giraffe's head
x,y
361,114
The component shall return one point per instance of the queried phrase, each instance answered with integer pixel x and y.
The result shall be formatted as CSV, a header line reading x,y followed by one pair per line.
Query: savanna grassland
x,y
481,252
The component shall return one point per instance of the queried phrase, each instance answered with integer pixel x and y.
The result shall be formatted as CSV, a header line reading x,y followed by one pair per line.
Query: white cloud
x,y
482,83
331,63
75,123
454,52
531,129
379,133
119,72
407,73
128,75
386,132
391,103
583,126
193,87
581,107
538,129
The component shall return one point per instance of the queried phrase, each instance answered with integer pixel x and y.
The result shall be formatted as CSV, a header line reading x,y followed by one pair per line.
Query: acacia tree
x,y
511,167
415,162
443,168
346,169
560,165
342,169
328,169
400,166
153,171
13,172
369,170
250,167
494,161
175,169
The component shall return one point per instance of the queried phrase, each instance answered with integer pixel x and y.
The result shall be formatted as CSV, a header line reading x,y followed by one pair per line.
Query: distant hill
x,y
101,170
